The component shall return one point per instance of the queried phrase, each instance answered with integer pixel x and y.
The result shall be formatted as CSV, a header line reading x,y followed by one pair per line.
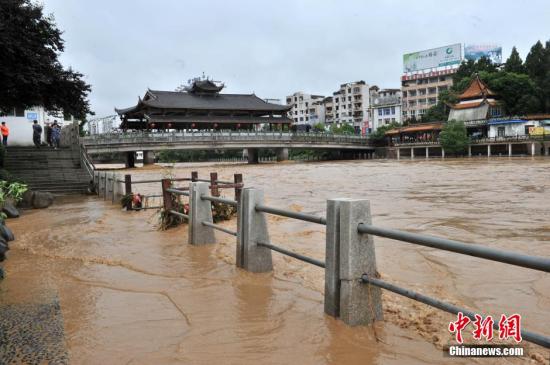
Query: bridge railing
x,y
497,139
144,136
352,283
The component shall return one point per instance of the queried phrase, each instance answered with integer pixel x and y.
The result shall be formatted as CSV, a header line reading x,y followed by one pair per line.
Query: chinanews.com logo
x,y
508,327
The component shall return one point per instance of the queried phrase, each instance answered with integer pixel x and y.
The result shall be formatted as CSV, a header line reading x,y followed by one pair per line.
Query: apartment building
x,y
385,108
420,91
350,104
307,109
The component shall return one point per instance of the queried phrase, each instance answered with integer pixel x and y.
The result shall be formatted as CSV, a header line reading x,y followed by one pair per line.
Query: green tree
x,y
536,62
379,136
318,128
30,71
454,137
344,128
517,92
470,67
514,63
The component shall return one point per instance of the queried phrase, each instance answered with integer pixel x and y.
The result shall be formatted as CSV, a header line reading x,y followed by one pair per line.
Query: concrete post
x,y
412,152
509,149
282,154
469,151
130,159
332,258
488,150
200,211
442,152
252,229
96,181
427,152
148,157
398,153
360,303
113,186
532,149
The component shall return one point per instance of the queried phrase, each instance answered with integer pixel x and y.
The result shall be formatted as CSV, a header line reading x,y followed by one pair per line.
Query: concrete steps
x,y
57,171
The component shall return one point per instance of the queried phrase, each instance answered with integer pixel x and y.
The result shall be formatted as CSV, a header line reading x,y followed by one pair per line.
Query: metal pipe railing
x,y
177,192
219,200
508,257
173,212
447,307
290,214
292,254
220,228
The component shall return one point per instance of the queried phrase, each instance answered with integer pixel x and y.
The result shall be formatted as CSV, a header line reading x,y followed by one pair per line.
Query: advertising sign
x,y
32,116
491,51
432,58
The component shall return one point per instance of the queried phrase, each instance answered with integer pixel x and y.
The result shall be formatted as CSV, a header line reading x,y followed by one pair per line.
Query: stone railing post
x,y
252,228
360,303
200,211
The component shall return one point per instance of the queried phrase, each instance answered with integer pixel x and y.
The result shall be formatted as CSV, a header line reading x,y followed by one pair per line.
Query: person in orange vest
x,y
5,133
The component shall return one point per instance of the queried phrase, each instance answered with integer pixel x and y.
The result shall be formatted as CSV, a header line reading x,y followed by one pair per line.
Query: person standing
x,y
56,134
36,133
48,131
5,133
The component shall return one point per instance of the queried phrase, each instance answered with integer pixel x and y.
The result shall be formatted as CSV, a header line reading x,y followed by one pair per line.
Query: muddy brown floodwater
x,y
131,294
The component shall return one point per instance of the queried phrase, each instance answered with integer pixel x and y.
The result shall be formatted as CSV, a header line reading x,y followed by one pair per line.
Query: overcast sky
x,y
273,48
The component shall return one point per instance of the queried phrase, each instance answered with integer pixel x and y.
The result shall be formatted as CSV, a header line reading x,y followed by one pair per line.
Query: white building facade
x,y
306,109
350,104
385,108
20,123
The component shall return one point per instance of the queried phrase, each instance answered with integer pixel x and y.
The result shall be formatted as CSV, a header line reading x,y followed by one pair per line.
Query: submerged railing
x,y
352,283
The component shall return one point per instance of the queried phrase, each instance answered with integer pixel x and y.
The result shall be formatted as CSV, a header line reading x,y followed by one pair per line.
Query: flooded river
x,y
128,293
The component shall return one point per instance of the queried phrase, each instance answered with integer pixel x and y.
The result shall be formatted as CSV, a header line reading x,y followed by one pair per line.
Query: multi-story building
x,y
304,107
385,108
351,105
420,91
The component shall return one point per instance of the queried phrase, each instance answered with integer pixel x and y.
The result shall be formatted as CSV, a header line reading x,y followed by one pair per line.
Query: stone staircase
x,y
45,169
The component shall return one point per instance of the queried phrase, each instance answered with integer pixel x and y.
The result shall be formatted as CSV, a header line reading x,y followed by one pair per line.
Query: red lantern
x,y
169,125
152,125
215,125
238,125
193,125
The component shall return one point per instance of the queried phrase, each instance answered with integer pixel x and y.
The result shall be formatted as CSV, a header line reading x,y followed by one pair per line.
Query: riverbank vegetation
x,y
454,138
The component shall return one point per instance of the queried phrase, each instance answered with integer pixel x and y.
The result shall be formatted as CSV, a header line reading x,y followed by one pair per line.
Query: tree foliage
x,y
454,137
344,128
514,63
30,71
378,136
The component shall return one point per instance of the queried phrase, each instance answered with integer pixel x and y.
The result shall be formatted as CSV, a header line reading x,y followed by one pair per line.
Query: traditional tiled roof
x,y
416,128
477,89
473,104
184,100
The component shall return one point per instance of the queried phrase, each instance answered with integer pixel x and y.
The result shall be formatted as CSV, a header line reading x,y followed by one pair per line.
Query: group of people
x,y
53,134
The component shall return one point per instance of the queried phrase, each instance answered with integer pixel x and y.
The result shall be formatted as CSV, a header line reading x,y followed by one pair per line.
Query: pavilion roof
x,y
185,100
477,89
422,127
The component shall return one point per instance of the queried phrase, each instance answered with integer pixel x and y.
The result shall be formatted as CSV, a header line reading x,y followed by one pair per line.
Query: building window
x,y
301,119
412,93
296,120
393,120
344,106
379,112
495,111
404,94
386,111
295,99
349,90
288,100
335,100
442,88
432,90
501,131
349,98
442,78
393,110
422,92
307,104
356,89
295,112
307,118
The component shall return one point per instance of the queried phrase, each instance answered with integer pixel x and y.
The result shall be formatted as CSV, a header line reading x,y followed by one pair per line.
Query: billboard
x,y
475,51
432,58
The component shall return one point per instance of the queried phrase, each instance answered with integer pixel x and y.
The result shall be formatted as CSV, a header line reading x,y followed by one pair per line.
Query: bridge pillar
x,y
509,149
427,152
469,151
442,152
148,157
252,155
532,149
488,150
130,159
398,153
282,154
412,152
